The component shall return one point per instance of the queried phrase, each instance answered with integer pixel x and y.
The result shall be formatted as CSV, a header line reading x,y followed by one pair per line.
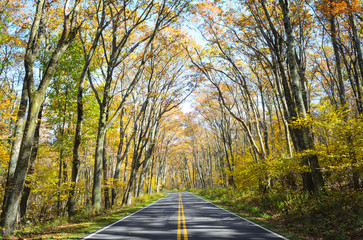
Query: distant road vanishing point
x,y
183,216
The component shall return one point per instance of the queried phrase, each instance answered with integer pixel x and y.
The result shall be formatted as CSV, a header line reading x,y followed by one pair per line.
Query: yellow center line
x,y
181,215
179,221
184,225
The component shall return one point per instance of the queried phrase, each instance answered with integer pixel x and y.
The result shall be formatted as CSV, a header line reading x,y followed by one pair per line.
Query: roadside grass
x,y
84,223
296,215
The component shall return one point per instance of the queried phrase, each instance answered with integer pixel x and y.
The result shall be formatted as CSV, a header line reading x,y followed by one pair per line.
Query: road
x,y
183,216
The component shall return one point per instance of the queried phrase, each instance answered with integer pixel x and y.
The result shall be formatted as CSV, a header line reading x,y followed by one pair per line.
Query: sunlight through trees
x,y
91,96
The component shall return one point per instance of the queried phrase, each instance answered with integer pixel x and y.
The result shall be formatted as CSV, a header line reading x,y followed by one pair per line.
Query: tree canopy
x,y
94,97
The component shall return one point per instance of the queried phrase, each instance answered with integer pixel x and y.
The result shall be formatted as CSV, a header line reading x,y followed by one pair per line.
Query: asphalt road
x,y
183,216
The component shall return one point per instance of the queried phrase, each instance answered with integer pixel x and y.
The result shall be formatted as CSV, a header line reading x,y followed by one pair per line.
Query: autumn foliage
x,y
103,101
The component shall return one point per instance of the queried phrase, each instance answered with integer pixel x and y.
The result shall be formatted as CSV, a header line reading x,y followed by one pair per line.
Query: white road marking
x,y
110,225
255,224
276,234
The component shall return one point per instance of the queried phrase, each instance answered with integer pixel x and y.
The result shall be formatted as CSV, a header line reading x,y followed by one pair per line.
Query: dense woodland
x,y
102,100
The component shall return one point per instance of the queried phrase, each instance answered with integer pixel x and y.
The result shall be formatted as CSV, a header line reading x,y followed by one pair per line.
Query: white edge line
x,y
110,225
268,230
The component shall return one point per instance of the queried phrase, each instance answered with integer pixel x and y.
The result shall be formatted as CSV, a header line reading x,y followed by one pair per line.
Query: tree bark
x,y
18,131
130,185
105,175
61,160
97,174
27,189
312,181
145,166
341,87
77,143
356,41
80,114
36,97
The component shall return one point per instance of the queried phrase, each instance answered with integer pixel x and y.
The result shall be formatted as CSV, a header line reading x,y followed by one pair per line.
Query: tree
x,y
162,14
88,56
36,96
270,28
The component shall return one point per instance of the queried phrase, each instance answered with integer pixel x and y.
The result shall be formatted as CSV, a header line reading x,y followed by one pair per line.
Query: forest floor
x,y
295,215
84,223
334,215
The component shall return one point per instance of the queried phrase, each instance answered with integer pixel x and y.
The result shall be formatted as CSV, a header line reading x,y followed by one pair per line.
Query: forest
x,y
103,101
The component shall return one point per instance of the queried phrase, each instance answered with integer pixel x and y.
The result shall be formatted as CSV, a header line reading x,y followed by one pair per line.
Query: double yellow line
x,y
181,218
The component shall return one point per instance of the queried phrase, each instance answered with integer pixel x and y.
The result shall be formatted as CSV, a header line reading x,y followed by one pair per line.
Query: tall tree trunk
x,y
145,167
77,143
125,172
359,100
313,180
121,156
27,189
342,95
36,97
338,66
151,176
97,174
140,185
61,161
119,159
17,138
130,185
18,132
101,134
356,41
15,186
105,175
80,115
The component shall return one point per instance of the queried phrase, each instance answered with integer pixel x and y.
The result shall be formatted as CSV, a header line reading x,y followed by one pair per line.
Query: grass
x,y
296,215
84,223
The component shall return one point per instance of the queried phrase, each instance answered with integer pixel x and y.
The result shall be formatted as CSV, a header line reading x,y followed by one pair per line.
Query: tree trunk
x,y
80,116
144,169
140,185
130,185
27,189
36,97
342,95
18,131
77,143
119,160
105,176
357,43
61,161
15,186
341,87
97,174
151,176
313,180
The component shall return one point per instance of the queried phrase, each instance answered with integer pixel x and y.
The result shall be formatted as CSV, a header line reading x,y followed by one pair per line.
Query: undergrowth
x,y
330,215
